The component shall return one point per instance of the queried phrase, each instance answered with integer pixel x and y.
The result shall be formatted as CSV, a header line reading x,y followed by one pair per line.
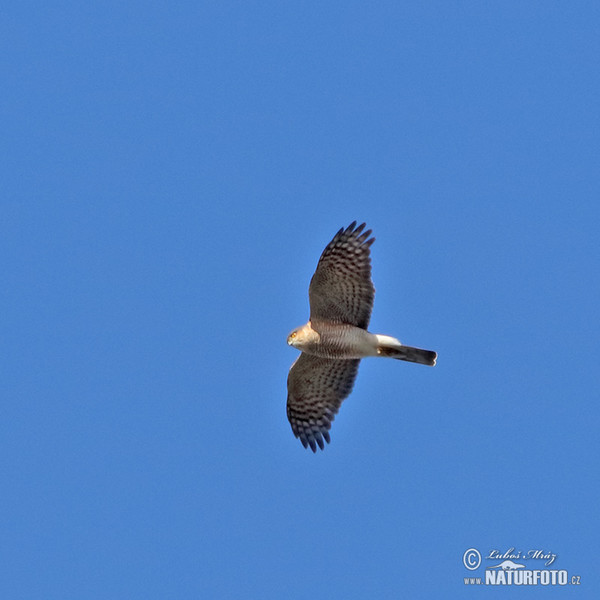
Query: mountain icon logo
x,y
507,565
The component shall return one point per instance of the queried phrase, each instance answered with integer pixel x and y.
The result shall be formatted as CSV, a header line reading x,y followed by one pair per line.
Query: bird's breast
x,y
342,341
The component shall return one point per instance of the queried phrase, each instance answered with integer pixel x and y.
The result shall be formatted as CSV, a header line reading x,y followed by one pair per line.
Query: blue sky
x,y
170,174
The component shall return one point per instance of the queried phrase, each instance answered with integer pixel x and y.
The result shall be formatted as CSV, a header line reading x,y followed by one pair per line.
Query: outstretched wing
x,y
341,289
316,389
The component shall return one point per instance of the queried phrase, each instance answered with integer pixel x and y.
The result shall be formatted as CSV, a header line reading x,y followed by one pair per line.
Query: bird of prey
x,y
336,337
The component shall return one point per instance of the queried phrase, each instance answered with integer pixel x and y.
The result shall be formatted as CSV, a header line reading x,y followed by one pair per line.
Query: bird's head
x,y
292,338
302,336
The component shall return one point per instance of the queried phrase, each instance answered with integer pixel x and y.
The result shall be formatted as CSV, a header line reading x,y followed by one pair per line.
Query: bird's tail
x,y
392,348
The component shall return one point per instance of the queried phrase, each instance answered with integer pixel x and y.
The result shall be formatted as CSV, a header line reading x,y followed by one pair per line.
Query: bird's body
x,y
340,340
334,341
336,338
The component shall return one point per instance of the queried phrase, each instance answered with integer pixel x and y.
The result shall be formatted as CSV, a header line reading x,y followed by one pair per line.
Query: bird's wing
x,y
316,389
341,289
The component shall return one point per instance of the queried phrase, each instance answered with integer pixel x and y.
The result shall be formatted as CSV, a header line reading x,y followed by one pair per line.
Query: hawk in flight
x,y
336,337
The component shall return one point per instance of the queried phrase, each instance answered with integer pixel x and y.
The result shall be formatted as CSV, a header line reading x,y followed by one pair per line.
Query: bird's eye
x,y
293,334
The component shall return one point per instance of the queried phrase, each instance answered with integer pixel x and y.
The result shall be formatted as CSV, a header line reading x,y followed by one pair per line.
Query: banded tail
x,y
392,348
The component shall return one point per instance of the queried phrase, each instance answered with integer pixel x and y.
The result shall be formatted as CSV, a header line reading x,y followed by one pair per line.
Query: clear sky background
x,y
171,172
